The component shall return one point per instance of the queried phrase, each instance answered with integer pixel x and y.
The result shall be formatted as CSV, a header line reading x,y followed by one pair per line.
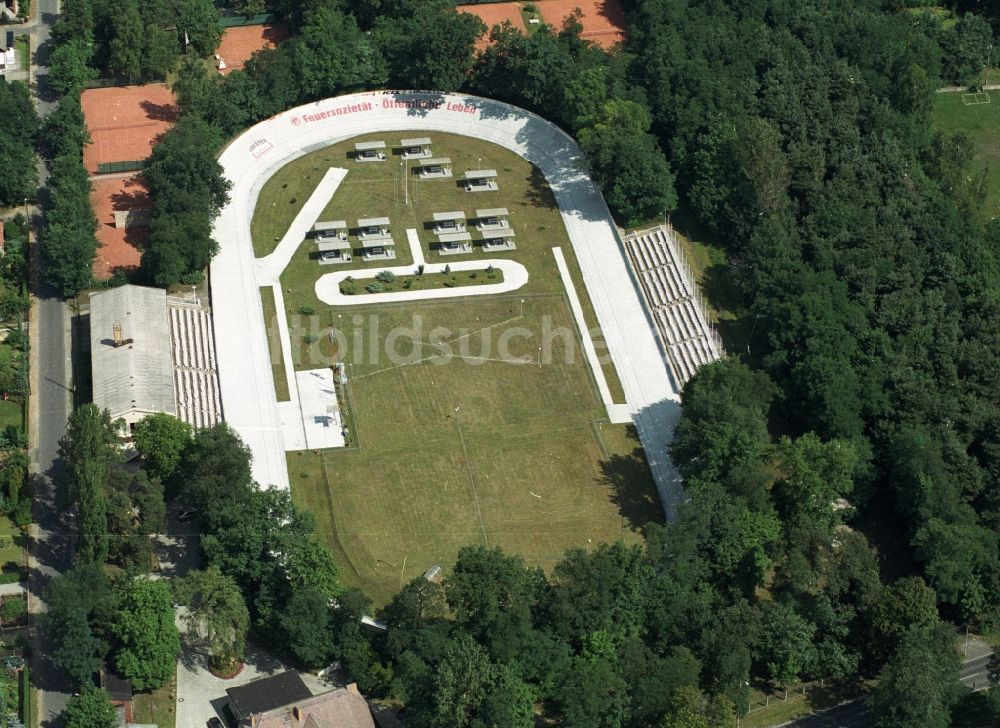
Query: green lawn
x,y
492,447
156,708
508,454
372,190
23,49
12,543
981,123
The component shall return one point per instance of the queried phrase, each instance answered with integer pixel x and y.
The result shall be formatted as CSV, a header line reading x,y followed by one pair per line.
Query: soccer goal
x,y
976,99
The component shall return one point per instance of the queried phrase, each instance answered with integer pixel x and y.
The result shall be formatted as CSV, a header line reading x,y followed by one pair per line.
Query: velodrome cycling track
x,y
247,387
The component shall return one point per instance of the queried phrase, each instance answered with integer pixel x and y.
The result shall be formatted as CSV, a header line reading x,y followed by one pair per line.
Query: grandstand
x,y
671,294
196,379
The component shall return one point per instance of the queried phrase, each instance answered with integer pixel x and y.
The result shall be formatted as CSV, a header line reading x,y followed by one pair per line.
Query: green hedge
x,y
25,696
237,20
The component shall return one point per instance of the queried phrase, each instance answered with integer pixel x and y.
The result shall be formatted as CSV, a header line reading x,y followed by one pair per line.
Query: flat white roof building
x,y
369,151
416,148
130,352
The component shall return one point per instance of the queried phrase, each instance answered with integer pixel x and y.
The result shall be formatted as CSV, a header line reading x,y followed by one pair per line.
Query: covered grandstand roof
x,y
130,352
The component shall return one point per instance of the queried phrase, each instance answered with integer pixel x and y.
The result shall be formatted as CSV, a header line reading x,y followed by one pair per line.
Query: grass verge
x,y
274,344
157,707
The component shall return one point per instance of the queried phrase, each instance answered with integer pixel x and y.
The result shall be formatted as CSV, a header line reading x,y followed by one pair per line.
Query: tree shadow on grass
x,y
539,194
634,491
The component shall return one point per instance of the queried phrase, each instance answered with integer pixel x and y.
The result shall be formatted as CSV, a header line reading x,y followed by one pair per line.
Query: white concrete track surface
x,y
244,367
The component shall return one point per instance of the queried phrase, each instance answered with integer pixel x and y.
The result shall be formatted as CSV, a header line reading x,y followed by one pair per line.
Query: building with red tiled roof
x,y
339,708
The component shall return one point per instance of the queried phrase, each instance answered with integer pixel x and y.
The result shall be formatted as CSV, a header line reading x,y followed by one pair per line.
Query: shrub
x,y
375,287
473,275
18,339
307,310
22,513
386,276
447,269
420,269
407,284
310,339
12,609
348,287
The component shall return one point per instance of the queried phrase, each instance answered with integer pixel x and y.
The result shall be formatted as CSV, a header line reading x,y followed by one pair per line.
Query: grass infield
x,y
496,444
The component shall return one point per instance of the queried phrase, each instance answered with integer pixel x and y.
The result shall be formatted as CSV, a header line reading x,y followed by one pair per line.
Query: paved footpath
x,y
244,367
515,276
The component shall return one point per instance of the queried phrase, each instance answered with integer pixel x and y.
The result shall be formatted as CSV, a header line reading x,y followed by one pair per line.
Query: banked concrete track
x,y
248,399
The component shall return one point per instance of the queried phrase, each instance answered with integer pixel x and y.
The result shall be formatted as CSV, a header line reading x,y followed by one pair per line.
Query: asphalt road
x,y
855,713
51,400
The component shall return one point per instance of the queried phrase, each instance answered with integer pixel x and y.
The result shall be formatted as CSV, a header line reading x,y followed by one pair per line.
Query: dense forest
x,y
843,464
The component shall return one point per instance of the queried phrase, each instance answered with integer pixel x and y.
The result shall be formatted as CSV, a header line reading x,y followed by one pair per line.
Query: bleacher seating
x,y
671,294
195,377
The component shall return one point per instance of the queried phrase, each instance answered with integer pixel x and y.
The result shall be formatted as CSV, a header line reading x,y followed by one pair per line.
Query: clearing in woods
x,y
498,444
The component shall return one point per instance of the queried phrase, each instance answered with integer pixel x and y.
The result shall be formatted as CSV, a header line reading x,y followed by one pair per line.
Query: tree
x,y
919,685
907,603
89,450
786,642
77,653
487,588
161,440
431,49
159,52
215,610
17,145
627,162
126,48
71,598
591,693
193,87
306,623
331,56
188,190
69,68
965,48
812,475
146,633
467,690
723,425
249,7
90,709
606,590
199,23
216,467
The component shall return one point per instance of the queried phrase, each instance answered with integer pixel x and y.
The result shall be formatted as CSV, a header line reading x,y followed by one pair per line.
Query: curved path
x,y
244,366
515,276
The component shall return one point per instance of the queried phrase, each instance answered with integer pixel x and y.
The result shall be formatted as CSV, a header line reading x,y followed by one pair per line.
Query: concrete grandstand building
x,y
150,353
130,353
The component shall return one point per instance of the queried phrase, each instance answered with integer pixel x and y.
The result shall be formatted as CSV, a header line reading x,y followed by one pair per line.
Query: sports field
x,y
239,43
125,122
981,123
603,21
120,248
497,444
